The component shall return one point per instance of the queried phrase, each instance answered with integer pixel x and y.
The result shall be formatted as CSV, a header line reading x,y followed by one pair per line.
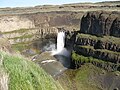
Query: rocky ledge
x,y
106,42
102,54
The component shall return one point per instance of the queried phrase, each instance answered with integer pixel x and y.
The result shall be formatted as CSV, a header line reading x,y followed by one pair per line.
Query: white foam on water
x,y
61,50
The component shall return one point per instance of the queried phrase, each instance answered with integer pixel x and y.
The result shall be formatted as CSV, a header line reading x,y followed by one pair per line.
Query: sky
x,y
26,3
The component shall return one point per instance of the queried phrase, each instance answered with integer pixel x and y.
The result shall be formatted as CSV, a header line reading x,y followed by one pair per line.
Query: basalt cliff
x,y
101,23
99,36
92,35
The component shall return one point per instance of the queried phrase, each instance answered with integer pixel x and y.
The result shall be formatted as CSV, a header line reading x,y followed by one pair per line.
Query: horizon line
x,y
25,6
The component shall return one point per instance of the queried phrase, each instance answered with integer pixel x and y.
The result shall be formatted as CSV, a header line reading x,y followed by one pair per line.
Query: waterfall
x,y
61,50
60,41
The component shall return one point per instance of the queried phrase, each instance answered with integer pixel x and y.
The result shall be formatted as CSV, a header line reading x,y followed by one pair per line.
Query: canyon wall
x,y
101,23
24,25
19,28
105,55
67,19
106,42
10,23
99,36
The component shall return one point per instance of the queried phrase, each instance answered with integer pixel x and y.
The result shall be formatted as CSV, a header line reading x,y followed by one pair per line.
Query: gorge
x,y
77,44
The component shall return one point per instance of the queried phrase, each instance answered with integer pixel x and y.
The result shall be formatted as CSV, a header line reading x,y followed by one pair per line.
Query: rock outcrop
x,y
99,36
98,44
106,55
101,23
5,45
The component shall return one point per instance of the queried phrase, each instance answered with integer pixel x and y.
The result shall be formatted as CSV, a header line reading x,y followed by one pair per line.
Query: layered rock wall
x,y
101,23
16,22
28,35
99,36
106,55
99,43
27,27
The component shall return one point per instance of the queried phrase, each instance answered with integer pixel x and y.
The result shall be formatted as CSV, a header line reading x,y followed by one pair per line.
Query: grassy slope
x,y
3,77
83,76
80,79
87,76
26,75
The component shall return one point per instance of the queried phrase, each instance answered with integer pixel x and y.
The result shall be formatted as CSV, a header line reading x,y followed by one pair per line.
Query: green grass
x,y
80,59
22,37
26,75
83,76
101,50
17,31
88,47
3,76
87,36
108,51
20,46
79,79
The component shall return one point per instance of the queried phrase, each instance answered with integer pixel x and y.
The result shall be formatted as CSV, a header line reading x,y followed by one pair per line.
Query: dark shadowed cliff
x,y
101,23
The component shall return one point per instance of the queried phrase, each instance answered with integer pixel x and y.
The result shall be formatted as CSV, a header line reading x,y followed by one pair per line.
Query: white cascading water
x,y
60,41
60,45
62,62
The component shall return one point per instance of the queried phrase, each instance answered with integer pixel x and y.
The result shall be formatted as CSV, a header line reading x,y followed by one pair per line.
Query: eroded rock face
x,y
29,27
11,23
68,20
97,44
100,54
115,28
101,23
5,45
